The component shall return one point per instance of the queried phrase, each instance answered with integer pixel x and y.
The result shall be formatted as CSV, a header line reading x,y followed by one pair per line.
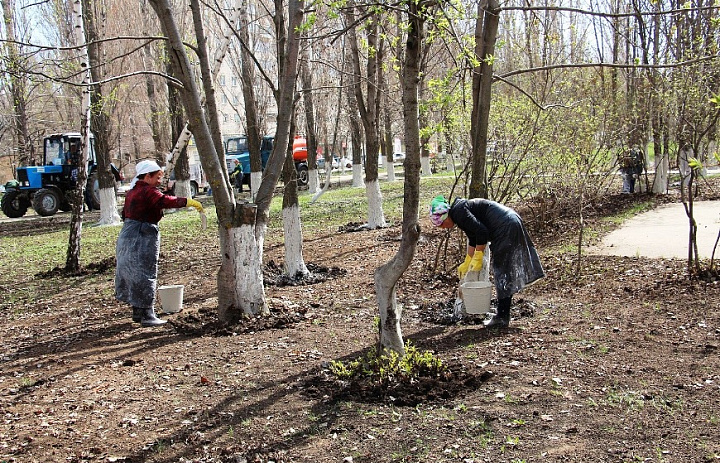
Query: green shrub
x,y
389,366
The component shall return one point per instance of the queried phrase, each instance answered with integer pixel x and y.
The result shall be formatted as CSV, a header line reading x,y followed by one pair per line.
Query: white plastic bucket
x,y
171,298
476,296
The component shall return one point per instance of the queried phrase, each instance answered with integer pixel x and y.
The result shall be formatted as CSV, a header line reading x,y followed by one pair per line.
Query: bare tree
x,y
367,96
72,262
387,275
241,226
306,78
18,83
485,36
100,126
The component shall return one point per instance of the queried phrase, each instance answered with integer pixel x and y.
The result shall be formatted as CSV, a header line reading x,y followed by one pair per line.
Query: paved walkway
x,y
663,232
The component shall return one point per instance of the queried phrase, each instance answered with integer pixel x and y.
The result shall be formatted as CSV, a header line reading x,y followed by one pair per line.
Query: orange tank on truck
x,y
299,149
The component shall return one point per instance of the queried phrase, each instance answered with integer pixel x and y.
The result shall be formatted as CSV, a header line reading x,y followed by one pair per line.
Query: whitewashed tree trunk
x,y
684,156
390,171
425,166
326,185
376,217
660,183
108,208
313,181
255,180
182,189
450,161
240,273
357,181
294,262
180,145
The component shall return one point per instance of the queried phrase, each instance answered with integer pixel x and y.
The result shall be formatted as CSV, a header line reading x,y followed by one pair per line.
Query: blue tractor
x,y
49,187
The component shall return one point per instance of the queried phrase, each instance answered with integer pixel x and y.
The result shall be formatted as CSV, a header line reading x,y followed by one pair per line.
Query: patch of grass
x,y
384,367
630,400
26,381
631,212
23,257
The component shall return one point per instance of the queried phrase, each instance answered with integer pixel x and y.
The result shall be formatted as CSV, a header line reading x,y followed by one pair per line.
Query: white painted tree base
x,y
182,189
660,183
357,181
313,181
376,216
255,180
294,264
108,208
425,166
240,278
390,172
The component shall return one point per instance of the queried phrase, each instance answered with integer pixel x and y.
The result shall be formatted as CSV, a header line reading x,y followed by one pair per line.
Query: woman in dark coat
x,y
138,245
515,260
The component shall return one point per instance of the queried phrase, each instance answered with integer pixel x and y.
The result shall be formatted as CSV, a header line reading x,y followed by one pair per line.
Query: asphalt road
x,y
664,232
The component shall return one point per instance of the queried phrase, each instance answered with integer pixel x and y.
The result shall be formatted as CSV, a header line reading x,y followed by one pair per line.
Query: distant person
x,y
237,176
138,245
515,260
632,165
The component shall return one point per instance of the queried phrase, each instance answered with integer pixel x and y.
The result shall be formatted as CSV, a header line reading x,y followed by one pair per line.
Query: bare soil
x,y
609,360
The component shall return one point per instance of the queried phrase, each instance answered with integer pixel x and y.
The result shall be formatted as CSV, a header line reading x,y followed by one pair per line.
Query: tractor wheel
x,y
46,202
15,203
302,175
92,192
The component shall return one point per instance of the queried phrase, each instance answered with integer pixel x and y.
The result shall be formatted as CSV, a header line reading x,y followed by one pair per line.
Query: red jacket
x,y
145,203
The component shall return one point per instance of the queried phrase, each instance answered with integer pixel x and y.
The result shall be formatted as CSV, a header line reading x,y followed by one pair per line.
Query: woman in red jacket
x,y
138,245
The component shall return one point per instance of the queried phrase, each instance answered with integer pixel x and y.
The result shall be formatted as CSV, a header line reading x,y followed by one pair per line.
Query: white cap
x,y
144,167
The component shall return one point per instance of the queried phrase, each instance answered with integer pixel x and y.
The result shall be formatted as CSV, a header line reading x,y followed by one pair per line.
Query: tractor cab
x,y
61,158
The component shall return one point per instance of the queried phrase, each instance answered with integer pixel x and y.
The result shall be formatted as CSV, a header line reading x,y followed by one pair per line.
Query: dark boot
x,y
137,314
149,318
502,318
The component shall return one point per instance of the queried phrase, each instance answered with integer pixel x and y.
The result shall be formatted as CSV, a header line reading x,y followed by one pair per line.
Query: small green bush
x,y
388,367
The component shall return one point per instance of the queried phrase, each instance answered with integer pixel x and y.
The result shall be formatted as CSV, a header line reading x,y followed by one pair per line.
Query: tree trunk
x,y
240,278
247,76
355,135
369,116
72,262
18,89
292,230
240,273
250,289
100,125
485,36
310,125
388,274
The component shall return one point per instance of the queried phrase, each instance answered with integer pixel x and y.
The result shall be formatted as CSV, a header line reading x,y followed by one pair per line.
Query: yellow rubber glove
x,y
196,204
476,261
463,268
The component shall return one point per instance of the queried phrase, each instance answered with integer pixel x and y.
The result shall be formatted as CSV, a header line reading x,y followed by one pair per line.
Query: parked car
x,y
398,157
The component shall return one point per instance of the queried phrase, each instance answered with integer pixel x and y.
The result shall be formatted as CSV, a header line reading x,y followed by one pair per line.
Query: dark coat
x,y
515,260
